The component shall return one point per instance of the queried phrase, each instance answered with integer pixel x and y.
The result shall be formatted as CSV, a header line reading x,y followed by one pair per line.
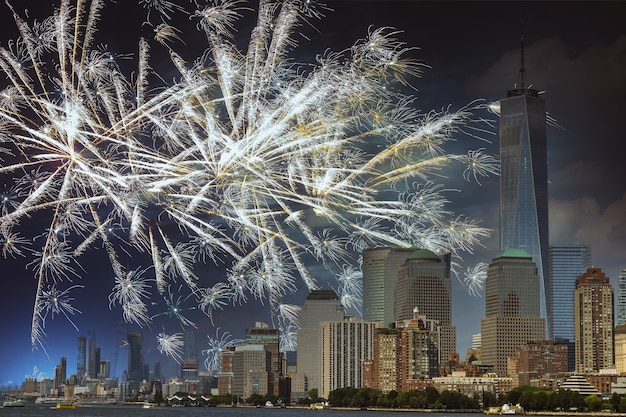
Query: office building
x,y
621,297
189,365
93,358
262,334
567,264
424,284
418,351
593,315
524,178
512,312
380,273
81,362
135,370
346,345
319,306
251,370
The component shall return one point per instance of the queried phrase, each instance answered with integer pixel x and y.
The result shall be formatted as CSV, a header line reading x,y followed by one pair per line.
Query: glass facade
x,y
567,264
524,180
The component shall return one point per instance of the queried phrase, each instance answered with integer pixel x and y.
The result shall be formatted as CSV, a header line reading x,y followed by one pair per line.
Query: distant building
x,y
189,365
320,305
380,273
262,334
512,307
619,335
225,377
567,263
424,284
81,361
621,297
251,370
346,345
536,359
135,355
384,367
593,314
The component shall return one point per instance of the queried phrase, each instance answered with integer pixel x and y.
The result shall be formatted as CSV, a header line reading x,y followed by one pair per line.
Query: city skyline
x,y
579,167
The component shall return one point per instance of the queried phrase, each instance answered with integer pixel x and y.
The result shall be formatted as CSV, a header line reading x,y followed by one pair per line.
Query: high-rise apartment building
x,y
424,284
619,336
567,264
262,334
380,273
319,306
621,297
384,369
135,369
593,315
512,308
524,178
346,345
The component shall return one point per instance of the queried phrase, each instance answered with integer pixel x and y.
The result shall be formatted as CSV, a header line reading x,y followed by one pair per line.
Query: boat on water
x,y
13,402
66,405
506,409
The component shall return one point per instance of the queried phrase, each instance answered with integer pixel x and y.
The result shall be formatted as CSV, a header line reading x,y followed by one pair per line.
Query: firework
x,y
246,161
217,345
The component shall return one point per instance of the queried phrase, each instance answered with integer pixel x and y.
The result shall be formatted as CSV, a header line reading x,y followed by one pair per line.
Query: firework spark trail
x,y
247,160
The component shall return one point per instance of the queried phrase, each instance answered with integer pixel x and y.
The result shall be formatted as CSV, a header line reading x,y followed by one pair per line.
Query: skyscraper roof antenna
x,y
522,71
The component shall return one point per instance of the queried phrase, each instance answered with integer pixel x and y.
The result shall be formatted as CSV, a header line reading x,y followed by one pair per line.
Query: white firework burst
x,y
217,345
245,159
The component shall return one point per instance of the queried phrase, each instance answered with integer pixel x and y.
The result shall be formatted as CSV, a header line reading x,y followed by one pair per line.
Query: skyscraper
x,y
380,273
424,284
621,298
524,177
81,361
135,355
511,307
189,367
593,314
567,264
320,305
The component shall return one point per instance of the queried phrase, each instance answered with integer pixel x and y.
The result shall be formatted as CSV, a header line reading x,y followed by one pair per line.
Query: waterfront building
x,y
418,351
81,361
251,370
384,368
593,315
619,336
225,376
512,307
346,346
537,359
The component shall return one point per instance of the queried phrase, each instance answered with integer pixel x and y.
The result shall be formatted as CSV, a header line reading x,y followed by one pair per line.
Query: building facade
x,y
380,273
251,371
524,178
134,338
512,307
262,334
346,345
621,297
536,360
424,284
567,264
319,306
593,314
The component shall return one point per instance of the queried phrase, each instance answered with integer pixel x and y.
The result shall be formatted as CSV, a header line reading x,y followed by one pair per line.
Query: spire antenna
x,y
522,70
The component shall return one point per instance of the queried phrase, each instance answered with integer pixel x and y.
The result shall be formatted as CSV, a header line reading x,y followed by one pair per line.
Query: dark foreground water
x,y
35,410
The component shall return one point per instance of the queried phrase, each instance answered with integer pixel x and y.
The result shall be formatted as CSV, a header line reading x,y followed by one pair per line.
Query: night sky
x,y
575,53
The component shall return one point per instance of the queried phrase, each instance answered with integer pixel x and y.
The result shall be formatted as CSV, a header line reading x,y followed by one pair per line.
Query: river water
x,y
35,410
